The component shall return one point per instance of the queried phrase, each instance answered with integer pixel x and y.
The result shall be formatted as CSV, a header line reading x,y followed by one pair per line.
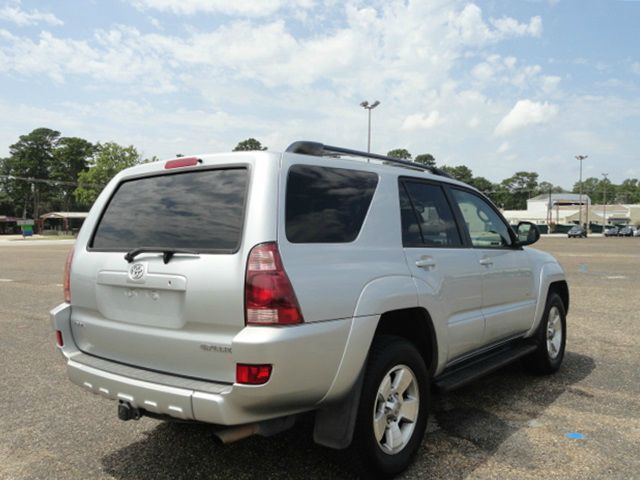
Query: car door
x,y
508,299
447,272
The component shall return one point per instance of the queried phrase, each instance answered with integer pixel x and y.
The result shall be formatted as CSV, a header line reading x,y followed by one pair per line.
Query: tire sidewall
x,y
554,301
397,352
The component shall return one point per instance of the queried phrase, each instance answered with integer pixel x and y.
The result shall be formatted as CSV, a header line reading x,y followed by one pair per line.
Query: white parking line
x,y
6,280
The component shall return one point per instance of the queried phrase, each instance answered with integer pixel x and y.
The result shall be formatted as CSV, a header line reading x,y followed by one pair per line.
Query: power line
x,y
49,182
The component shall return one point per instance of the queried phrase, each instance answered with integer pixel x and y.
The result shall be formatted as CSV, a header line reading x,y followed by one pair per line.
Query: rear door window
x,y
327,205
427,219
201,210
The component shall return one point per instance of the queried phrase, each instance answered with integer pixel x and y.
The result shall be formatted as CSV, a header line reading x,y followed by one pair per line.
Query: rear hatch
x,y
177,304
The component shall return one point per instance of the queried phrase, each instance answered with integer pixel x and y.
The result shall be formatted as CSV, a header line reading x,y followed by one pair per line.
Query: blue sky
x,y
500,86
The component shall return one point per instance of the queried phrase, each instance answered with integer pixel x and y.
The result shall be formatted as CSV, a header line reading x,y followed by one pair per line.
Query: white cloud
x,y
422,121
12,12
482,71
525,113
474,30
635,67
504,147
510,26
250,8
550,83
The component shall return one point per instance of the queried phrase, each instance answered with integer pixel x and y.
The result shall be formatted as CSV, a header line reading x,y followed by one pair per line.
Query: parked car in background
x,y
636,232
611,232
626,231
577,232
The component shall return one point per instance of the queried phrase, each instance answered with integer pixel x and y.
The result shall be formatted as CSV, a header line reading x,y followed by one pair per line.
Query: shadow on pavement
x,y
476,419
482,415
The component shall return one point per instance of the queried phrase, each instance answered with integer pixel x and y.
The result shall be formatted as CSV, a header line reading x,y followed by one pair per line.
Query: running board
x,y
458,375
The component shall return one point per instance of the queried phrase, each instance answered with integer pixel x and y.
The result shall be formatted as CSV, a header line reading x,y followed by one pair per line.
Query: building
x,y
550,208
61,221
564,209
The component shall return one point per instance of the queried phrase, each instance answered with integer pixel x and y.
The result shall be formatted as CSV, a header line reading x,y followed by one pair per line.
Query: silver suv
x,y
244,289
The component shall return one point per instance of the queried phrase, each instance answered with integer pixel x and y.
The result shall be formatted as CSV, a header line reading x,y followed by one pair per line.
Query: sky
x,y
498,85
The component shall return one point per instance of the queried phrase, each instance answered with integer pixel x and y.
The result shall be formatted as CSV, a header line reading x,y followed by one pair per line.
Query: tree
x,y
590,187
461,172
482,184
628,191
425,159
70,157
399,153
546,187
110,159
30,157
521,186
250,144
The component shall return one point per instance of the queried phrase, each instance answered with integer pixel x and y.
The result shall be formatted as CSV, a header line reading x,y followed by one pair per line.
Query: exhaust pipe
x,y
233,434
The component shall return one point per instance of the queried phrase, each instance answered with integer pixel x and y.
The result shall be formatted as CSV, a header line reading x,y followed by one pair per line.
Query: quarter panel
x,y
328,278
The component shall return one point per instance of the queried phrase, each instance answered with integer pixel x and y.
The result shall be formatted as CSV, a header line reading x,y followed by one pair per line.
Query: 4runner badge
x,y
136,271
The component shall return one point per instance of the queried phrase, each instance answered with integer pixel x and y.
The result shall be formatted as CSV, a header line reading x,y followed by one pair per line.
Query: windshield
x,y
201,210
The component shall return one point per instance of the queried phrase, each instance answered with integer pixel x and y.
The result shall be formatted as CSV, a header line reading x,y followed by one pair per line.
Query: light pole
x,y
604,202
366,106
580,158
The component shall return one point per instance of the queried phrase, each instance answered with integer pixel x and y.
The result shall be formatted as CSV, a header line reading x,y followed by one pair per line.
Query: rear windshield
x,y
327,205
200,210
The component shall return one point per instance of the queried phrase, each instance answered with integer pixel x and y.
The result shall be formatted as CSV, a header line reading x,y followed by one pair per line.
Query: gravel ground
x,y
507,425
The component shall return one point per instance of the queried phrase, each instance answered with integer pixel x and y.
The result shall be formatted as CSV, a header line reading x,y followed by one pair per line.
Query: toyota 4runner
x,y
243,289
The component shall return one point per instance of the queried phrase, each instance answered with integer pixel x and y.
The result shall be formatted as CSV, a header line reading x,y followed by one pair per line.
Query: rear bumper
x,y
305,361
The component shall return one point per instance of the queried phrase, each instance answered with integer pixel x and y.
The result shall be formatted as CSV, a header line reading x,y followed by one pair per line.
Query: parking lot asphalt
x,y
582,423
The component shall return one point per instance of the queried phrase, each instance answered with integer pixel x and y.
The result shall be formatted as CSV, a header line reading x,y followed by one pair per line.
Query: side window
x,y
430,221
486,228
327,205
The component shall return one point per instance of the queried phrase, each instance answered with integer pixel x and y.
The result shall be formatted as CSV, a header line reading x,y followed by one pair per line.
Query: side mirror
x,y
527,233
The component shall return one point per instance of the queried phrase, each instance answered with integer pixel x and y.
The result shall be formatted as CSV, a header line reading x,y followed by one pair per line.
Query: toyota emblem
x,y
136,272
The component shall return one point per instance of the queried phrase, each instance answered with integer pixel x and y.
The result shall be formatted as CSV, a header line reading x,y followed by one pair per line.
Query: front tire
x,y
551,338
393,410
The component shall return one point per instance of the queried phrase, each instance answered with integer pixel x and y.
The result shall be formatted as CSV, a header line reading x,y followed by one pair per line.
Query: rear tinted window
x,y
327,205
200,210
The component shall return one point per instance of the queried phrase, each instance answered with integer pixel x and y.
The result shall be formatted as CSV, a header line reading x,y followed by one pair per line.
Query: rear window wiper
x,y
167,253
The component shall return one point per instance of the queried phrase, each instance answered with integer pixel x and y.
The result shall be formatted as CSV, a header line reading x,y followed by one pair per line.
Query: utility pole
x,y
604,202
366,106
580,158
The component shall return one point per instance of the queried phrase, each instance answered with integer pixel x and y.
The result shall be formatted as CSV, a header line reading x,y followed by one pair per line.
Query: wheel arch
x,y
416,326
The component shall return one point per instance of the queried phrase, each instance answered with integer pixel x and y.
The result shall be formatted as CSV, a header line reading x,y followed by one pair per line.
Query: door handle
x,y
486,261
426,262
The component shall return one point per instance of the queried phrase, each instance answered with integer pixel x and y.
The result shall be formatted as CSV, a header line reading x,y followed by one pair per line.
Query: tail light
x,y
59,339
269,296
66,281
252,374
182,162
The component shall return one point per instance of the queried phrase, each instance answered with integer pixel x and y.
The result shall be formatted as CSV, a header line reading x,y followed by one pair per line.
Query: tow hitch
x,y
127,412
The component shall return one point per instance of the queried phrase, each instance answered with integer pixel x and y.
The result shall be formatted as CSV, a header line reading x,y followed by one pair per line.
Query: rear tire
x,y
393,410
551,338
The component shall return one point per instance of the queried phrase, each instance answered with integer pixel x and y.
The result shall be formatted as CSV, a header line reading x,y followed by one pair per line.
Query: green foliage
x,y
250,144
425,159
399,153
31,156
70,158
482,184
461,172
520,187
110,159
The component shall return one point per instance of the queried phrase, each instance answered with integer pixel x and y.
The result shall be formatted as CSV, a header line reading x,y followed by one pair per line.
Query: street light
x,y
604,203
366,106
580,158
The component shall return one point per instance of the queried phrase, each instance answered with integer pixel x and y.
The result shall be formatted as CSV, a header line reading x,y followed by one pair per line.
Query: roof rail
x,y
321,150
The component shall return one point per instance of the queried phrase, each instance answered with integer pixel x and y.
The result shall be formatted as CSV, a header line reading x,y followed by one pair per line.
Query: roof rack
x,y
321,150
